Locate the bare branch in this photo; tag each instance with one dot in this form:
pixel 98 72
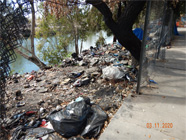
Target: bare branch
pixel 22 54
pixel 25 49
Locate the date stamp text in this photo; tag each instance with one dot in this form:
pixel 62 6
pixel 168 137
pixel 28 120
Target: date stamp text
pixel 159 125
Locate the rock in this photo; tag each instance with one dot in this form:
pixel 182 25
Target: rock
pixel 45 105
pixel 41 102
pixel 100 81
pixel 38 80
pixel 91 70
pixel 82 63
pixel 56 102
pixel 49 102
pixel 56 82
pixel 68 61
pixel 43 77
pixel 66 81
pixel 119 89
pixel 16 81
pixel 41 84
pixel 94 61
pixel 26 86
pixel 58 107
pixel 124 62
pixel 42 90
pixel 47 81
pixel 8 106
pixel 95 74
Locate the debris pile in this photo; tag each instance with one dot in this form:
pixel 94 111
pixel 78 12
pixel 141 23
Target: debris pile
pixel 75 100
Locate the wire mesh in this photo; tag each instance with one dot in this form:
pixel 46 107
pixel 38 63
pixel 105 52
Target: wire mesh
pixel 159 34
pixel 12 25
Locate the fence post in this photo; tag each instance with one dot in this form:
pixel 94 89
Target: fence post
pixel 143 45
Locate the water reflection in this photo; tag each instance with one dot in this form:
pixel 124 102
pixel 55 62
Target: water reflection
pixel 22 65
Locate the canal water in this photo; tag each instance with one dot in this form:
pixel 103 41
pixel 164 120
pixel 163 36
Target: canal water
pixel 22 65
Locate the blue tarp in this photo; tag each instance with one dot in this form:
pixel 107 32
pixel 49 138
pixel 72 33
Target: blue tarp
pixel 175 30
pixel 139 33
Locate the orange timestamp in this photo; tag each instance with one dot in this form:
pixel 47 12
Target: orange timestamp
pixel 159 125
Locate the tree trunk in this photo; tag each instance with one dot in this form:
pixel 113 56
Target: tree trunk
pixel 76 41
pixel 114 39
pixel 123 28
pixel 76 45
pixel 32 27
pixel 34 59
pixel 81 45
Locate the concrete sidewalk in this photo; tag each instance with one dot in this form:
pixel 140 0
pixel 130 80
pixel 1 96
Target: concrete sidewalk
pixel 162 107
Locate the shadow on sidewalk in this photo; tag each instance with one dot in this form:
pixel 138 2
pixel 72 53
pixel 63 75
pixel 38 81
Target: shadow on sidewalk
pixel 152 98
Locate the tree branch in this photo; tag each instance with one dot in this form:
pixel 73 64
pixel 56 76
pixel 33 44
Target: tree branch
pixel 22 54
pixel 102 7
pixel 25 49
pixel 94 2
pixel 32 26
pixel 130 14
pixel 105 11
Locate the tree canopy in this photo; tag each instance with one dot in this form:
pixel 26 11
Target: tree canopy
pixel 120 23
pixel 60 31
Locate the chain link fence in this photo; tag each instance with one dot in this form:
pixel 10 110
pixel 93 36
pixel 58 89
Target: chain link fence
pixel 158 34
pixel 159 28
pixel 12 25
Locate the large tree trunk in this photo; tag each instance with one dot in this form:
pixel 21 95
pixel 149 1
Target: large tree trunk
pixel 123 28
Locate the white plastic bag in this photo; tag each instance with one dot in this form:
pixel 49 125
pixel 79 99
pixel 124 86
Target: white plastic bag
pixel 112 72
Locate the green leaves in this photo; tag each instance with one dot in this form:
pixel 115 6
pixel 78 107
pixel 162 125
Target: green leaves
pixel 101 40
pixel 56 34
